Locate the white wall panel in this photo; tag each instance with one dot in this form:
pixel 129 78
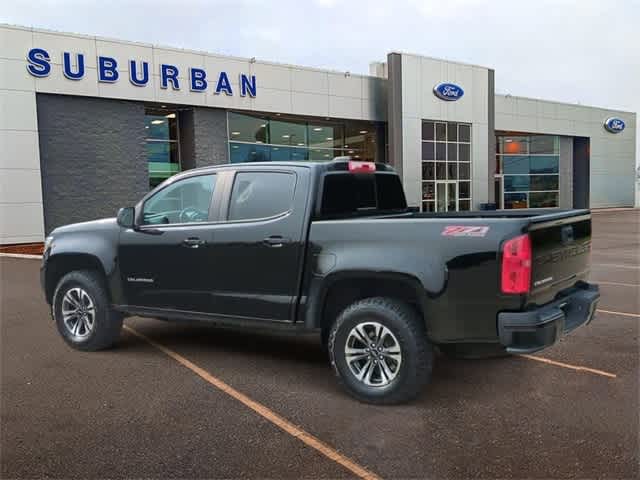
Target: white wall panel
pixel 19 149
pixel 56 43
pixel 310 104
pixel 124 52
pixel 15 42
pixel 20 186
pixel 18 110
pixel 56 82
pixel 271 76
pixel 345 107
pixel 310 81
pixel 14 76
pixel 345 86
pixel 21 223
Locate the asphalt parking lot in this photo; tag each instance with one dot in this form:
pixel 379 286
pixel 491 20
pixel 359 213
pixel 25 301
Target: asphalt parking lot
pixel 277 412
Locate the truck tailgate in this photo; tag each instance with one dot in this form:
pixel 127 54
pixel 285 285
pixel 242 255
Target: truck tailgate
pixel 561 247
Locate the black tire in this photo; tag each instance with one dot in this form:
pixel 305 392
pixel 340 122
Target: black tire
pixel 106 324
pixel 473 351
pixel 407 326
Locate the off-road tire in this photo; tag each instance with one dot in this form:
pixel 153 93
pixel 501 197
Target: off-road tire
pixel 408 327
pixel 107 322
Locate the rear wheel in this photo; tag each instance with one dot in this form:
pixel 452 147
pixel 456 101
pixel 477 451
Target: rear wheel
pixel 82 312
pixel 380 352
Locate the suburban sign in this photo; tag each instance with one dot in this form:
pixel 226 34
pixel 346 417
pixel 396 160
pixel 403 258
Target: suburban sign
pixel 448 91
pixel 614 125
pixel 108 71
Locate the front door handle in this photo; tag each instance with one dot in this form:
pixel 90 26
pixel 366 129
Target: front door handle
pixel 192 242
pixel 275 241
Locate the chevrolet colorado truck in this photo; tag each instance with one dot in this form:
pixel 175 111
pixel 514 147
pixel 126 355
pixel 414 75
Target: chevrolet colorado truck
pixel 329 247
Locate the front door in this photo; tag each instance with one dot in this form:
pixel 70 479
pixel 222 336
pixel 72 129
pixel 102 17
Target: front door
pixel 167 261
pixel 446 196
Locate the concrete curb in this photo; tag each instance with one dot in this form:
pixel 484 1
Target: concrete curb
pixel 21 255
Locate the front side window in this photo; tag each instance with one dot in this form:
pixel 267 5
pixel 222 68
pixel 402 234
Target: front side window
pixel 258 195
pixel 185 201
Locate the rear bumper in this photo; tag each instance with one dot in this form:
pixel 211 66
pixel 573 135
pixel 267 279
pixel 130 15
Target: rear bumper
pixel 533 330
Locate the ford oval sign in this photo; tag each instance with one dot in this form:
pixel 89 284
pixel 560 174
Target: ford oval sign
pixel 614 125
pixel 448 91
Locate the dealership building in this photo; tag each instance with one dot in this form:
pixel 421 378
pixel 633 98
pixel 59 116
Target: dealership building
pixel 89 125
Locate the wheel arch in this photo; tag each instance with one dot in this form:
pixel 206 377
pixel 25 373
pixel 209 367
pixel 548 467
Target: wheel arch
pixel 61 264
pixel 344 288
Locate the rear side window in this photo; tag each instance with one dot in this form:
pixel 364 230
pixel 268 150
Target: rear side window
pixel 348 193
pixel 258 195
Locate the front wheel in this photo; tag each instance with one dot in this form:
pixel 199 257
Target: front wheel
pixel 380 352
pixel 82 312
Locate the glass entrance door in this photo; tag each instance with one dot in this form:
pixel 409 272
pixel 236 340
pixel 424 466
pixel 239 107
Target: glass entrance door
pixel 447 196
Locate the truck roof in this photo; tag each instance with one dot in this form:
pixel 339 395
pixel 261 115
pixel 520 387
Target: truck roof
pixel 339 163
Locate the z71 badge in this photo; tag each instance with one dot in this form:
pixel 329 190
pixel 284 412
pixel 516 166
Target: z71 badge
pixel 464 231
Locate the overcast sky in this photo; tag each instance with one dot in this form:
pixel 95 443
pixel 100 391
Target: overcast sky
pixel 583 51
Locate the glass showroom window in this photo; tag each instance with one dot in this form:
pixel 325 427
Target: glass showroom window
pixel 446 166
pixel 529 166
pixel 257 138
pixel 163 150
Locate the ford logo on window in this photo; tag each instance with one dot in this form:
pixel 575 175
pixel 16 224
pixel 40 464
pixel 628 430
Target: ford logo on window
pixel 448 91
pixel 614 125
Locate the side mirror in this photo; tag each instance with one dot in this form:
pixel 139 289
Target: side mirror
pixel 126 217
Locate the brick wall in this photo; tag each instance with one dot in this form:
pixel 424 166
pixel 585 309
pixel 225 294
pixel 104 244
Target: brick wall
pixel 92 157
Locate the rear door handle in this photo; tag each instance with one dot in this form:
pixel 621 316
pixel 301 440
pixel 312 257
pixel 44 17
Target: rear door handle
pixel 192 242
pixel 275 241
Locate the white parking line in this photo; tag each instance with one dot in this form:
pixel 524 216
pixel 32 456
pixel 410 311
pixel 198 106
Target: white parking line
pixel 569 366
pixel 615 265
pixel 624 314
pixel 602 282
pixel 265 412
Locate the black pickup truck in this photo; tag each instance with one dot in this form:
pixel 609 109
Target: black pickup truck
pixel 329 247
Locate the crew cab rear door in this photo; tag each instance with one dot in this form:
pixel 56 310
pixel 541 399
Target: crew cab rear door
pixel 258 244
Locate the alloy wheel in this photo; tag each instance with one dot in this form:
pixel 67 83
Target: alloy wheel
pixel 373 354
pixel 78 313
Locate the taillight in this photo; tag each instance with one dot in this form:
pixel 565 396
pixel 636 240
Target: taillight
pixel 362 167
pixel 516 265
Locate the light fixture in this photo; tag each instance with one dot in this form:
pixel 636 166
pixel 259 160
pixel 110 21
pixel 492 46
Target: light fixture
pixel 146 126
pixel 263 125
pixel 235 133
pixel 157 122
pixel 509 140
pixel 329 138
pixel 346 146
pixel 363 131
pixel 234 146
pixel 163 106
pixel 357 156
pixel 350 151
pixel 170 115
pixel 301 144
pixel 326 154
pixel 317 129
pixel 259 141
pixel 285 136
pixel 276 148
